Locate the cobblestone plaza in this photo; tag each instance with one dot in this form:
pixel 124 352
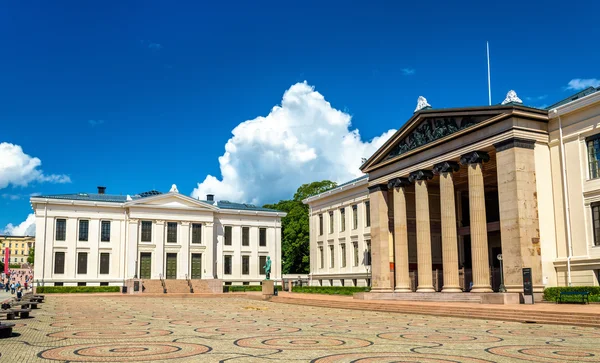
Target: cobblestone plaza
pixel 139 329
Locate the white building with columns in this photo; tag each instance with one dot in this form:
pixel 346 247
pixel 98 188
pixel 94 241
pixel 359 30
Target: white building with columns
pixel 100 239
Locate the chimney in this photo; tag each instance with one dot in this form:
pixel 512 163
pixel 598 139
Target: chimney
pixel 210 197
pixel 101 190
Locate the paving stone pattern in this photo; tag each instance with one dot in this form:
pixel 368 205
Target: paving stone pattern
pixel 142 329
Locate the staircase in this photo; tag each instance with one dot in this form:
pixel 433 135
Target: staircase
pixel 152 286
pixel 422 296
pixel 472 311
pixel 177 286
pixel 211 286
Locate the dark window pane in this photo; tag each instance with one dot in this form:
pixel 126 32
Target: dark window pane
pixel 320 224
pixel 172 232
pixel 196 233
pixel 262 237
pixel 104 263
pixel 227 265
pixel 245 236
pixel 368 213
pixel 227 235
pixel 262 260
pixel 82 262
pixel 59 262
pixel 84 227
pixel 245 265
pixel 105 231
pixel 61 229
pixel 146 231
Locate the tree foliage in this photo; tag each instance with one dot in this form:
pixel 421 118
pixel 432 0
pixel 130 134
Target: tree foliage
pixel 31 256
pixel 295 239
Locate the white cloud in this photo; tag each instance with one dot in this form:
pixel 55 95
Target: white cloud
pixel 302 140
pixel 95 122
pixel 579 84
pixel 20 169
pixel 26 228
pixel 538 98
pixel 11 196
pixel 408 71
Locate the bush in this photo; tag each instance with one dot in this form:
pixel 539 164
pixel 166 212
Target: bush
pixel 14 265
pixel 244 288
pixel 552 293
pixel 76 289
pixel 330 290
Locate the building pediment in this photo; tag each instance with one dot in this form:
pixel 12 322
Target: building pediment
pixel 171 200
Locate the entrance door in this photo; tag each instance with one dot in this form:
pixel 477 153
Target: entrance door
pixel 171 265
pixel 196 266
pixel 145 265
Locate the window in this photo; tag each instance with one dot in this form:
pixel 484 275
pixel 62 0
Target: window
pixel 596 223
pixel 82 262
pixel 81 283
pixel 105 231
pixel 227 235
pixel 104 263
pixel 246 283
pixel 59 284
pixel 262 260
pixel 59 262
pixel 172 232
pixel 104 284
pixel 245 265
pixel 146 231
pixel 84 228
pixel 355 216
pixel 196 233
pixel 331 222
pixel 343 249
pixel 262 237
pixel 593 146
pixel 321 258
pixel 368 214
pixel 245 236
pixel 227 265
pixel 61 229
pixel 331 257
pixel 342 219
pixel 320 224
pixel 356 258
pixel 368 257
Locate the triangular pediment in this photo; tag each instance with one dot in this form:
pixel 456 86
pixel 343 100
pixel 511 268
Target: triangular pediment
pixel 171 200
pixel 429 127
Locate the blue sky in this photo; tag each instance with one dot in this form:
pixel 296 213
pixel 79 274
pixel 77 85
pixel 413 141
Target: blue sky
pixel 137 95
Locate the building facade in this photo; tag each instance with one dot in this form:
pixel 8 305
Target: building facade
pixel 340 235
pixel 464 199
pixel 101 239
pixel 19 247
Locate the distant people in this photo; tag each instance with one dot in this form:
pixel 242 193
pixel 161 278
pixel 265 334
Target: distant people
pixel 12 288
pixel 19 294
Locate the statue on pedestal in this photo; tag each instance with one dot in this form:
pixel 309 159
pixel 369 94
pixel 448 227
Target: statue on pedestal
pixel 267 268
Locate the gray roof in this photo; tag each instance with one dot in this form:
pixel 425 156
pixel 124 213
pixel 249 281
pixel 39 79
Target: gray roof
pixel 222 204
pixel 366 176
pixel 585 92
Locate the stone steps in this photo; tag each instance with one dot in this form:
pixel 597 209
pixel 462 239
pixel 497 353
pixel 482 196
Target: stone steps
pixel 152 286
pixel 209 286
pixel 177 286
pixel 524 316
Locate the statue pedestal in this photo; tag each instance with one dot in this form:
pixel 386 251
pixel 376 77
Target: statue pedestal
pixel 268 288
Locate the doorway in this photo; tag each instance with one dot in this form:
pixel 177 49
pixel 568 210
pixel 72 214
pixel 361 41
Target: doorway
pixel 145 265
pixel 171 266
pixel 196 266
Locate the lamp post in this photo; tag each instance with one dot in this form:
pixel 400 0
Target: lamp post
pixel 501 288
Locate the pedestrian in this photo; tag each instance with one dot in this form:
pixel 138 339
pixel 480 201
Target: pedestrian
pixel 19 294
pixel 12 288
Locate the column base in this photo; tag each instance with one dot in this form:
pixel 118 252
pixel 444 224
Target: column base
pixel 481 289
pixel 402 289
pixel 451 289
pixel 381 289
pixel 425 289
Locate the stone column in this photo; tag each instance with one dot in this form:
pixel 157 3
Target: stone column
pixel 478 223
pixel 158 238
pixel 184 239
pixel 448 214
pixel 519 224
pixel 380 259
pixel 425 280
pixel 400 235
pixel 133 265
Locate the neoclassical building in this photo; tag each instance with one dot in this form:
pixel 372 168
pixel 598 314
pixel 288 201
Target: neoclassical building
pixel 18 247
pixel 456 190
pixel 102 239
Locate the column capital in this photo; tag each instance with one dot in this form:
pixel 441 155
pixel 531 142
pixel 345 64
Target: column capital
pixel 420 175
pixel 185 223
pixel 446 167
pixel 514 142
pixel 133 220
pixel 378 187
pixel 398 183
pixel 160 221
pixel 475 157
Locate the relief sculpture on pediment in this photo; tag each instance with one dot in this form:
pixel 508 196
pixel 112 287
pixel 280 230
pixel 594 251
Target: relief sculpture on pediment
pixel 432 129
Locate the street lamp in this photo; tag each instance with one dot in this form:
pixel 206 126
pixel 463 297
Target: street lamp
pixel 501 288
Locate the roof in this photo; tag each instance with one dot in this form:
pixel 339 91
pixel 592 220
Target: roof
pixel 7 236
pixel 337 189
pixel 578 95
pixel 223 204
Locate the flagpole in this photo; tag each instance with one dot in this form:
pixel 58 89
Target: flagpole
pixel 489 84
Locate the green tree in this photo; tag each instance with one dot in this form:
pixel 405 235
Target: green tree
pixel 295 249
pixel 31 256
